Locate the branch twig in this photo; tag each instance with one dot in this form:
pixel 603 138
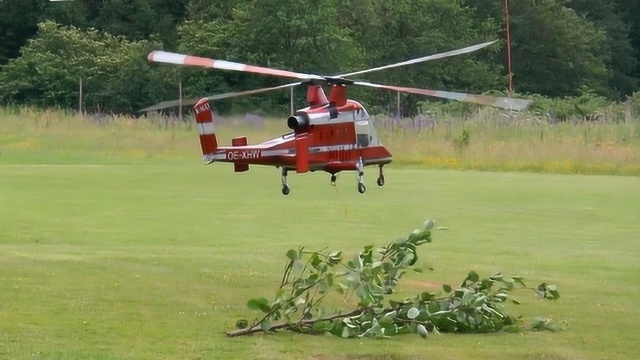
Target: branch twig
pixel 257 328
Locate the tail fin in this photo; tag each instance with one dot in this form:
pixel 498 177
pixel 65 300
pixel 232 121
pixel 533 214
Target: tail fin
pixel 206 130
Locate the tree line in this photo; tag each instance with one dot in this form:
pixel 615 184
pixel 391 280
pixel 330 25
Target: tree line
pixel 559 48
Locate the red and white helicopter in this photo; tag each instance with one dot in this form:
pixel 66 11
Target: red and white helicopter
pixel 331 134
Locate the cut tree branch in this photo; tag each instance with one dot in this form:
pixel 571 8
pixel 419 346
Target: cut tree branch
pixel 289 326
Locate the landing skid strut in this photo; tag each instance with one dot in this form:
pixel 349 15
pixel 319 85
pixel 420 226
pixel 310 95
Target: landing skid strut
pixel 285 186
pixel 359 175
pixel 380 180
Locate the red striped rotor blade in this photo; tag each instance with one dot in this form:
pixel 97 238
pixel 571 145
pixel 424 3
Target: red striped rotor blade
pixel 184 102
pixel 461 51
pixel 501 102
pixel 188 60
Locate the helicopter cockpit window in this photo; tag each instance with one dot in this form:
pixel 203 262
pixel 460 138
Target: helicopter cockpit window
pixel 363 136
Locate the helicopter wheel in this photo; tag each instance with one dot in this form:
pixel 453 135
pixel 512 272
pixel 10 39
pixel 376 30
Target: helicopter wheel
pixel 380 180
pixel 361 188
pixel 333 179
pixel 285 186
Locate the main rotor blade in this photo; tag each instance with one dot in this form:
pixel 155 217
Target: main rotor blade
pixel 170 104
pixel 465 50
pixel 184 102
pixel 187 60
pixel 501 102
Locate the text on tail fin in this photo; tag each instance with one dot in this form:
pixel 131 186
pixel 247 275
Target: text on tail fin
pixel 206 129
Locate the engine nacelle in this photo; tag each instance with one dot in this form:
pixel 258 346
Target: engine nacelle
pixel 299 120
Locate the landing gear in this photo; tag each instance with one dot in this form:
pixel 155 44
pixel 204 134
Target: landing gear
pixel 333 179
pixel 360 173
pixel 380 180
pixel 285 186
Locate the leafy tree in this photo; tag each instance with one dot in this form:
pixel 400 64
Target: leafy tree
pixel 140 19
pixel 559 48
pixel 408 29
pixel 623 61
pixel 67 13
pixel 283 35
pixel 630 12
pixel 114 71
pixel 207 39
pixel 292 35
pixel 207 10
pixel 18 22
pixel 555 51
pixel 135 19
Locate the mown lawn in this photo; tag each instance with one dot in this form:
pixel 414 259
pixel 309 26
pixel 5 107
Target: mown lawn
pixel 156 260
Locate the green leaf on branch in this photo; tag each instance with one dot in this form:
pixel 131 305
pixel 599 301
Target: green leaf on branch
pixel 467 297
pixel 388 318
pixel 543 324
pixel 242 323
pixel 426 296
pixel 334 258
pixel 553 290
pixel 422 331
pixel 320 326
pixel 413 313
pixel 265 325
pixel 293 254
pixel 519 280
pixel 261 304
pixel 547 291
pixel 428 225
pixel 473 276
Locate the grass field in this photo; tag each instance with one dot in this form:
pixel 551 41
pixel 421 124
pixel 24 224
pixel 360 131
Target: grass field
pixel 132 249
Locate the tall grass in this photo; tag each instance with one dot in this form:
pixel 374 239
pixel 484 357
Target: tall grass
pixel 492 140
pixel 486 140
pixel 55 136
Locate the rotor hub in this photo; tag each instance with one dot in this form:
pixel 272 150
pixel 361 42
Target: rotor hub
pixel 328 80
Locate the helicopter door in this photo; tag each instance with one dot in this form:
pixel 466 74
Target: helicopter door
pixel 363 135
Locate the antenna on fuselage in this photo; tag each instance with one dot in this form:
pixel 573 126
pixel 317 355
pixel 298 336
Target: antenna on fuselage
pixel 291 101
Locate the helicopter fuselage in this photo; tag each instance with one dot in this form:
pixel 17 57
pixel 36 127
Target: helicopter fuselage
pixel 334 143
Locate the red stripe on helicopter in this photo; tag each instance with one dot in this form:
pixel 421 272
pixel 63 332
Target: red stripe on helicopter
pixel 208 143
pixel 275 72
pixel 198 61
